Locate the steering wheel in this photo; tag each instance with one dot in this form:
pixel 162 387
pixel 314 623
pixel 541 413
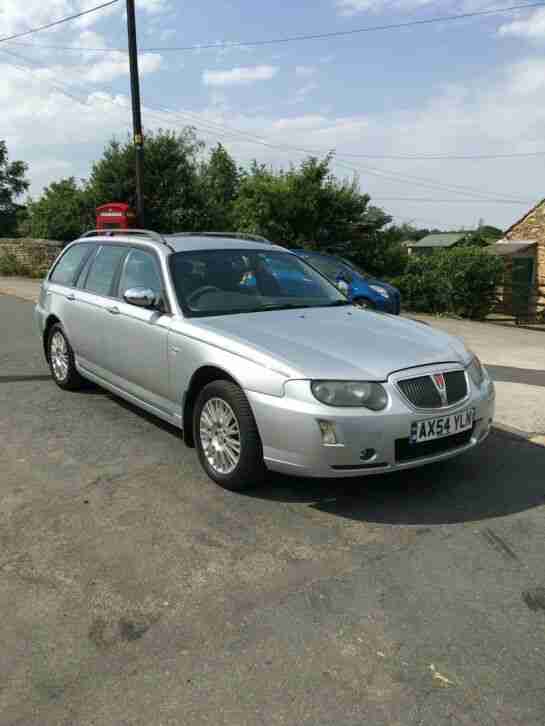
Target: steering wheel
pixel 201 291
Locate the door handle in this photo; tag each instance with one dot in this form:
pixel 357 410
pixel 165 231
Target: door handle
pixel 114 310
pixel 71 297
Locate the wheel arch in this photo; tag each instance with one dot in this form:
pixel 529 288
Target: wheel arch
pixel 49 323
pixel 201 378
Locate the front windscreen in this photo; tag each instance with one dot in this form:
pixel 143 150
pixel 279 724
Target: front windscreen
pixel 229 281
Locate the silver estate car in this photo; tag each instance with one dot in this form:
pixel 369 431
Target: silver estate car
pixel 258 358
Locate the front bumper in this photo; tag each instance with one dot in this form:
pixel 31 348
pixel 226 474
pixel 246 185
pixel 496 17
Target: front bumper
pixel 292 441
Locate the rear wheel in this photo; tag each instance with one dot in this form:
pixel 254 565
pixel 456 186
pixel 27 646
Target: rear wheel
pixel 226 437
pixel 61 360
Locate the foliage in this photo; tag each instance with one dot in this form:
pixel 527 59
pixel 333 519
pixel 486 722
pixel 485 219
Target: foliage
pixel 405 231
pixel 62 213
pixel 219 182
pixel 10 265
pixel 305 204
pixel 462 281
pixel 483 236
pixel 13 183
pixel 374 248
pixel 172 193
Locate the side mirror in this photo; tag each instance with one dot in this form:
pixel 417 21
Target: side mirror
pixel 343 286
pixel 142 297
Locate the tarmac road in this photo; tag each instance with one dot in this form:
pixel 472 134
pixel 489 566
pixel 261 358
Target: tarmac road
pixel 134 591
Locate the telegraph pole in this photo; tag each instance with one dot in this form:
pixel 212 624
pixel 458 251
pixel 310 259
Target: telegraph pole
pixel 136 112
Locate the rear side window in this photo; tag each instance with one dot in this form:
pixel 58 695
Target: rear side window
pixel 69 264
pixel 80 281
pixel 103 270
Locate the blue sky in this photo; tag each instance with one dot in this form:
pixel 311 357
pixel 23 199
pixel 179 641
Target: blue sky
pixel 474 86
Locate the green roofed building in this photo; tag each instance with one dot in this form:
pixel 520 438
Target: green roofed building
pixel 439 241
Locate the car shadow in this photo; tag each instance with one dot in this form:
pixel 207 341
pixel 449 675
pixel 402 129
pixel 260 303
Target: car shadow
pixel 503 476
pixel 507 374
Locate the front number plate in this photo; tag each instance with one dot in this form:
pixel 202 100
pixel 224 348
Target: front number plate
pixel 437 428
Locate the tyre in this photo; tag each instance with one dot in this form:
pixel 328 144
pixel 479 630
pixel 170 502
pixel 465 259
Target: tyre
pixel 363 302
pixel 226 437
pixel 61 360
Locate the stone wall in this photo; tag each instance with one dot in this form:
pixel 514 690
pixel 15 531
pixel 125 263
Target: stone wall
pixel 35 255
pixel 532 228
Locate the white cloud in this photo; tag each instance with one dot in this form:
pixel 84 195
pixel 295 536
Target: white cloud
pixel 153 7
pixel 485 116
pixel 353 7
pixel 237 76
pixel 302 93
pixel 532 27
pixel 18 15
pixel 305 71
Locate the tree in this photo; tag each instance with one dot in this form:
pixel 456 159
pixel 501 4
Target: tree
pixel 63 212
pixel 373 246
pixel 172 193
pixel 304 205
pixel 483 236
pixel 13 183
pixel 220 181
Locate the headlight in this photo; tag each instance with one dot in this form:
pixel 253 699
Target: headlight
pixel 380 290
pixel 350 393
pixel 477 371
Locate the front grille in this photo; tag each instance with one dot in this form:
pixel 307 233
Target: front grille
pixel 405 451
pixel 456 386
pixel 422 393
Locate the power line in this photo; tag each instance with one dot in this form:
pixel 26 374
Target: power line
pixel 312 36
pixel 218 130
pixel 424 182
pixel 58 22
pixel 448 201
pixel 441 157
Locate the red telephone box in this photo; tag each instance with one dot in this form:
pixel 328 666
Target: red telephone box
pixel 115 215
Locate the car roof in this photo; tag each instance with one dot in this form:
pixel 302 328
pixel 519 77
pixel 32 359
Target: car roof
pixel 194 242
pixel 182 242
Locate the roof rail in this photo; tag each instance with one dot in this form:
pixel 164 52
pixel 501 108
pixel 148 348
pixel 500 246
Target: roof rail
pixel 230 235
pixel 127 232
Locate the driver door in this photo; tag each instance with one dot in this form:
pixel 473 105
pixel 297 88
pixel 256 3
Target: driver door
pixel 137 337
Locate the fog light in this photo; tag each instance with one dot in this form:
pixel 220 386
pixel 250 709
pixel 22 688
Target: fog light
pixel 329 433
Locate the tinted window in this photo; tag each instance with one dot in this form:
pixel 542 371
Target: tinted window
pixel 69 264
pixel 102 272
pixel 329 267
pixel 222 282
pixel 140 270
pixel 85 269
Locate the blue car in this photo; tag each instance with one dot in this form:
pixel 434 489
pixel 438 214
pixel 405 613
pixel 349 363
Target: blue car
pixel 357 285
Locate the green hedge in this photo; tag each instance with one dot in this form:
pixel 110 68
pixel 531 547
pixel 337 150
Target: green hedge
pixel 10 266
pixel 462 281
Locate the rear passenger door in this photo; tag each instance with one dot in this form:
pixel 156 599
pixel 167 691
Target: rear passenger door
pixel 93 298
pixel 136 337
pixel 61 288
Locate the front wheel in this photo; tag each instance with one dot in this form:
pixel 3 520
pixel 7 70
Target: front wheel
pixel 226 437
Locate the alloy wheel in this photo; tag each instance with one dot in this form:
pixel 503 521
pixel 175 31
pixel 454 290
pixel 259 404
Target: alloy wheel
pixel 219 432
pixel 60 360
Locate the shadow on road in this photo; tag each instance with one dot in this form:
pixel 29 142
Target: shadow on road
pixel 25 378
pixel 503 476
pixel 507 374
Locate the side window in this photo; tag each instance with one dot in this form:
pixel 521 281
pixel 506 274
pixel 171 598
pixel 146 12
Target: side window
pixel 140 270
pixel 85 269
pixel 103 270
pixel 69 264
